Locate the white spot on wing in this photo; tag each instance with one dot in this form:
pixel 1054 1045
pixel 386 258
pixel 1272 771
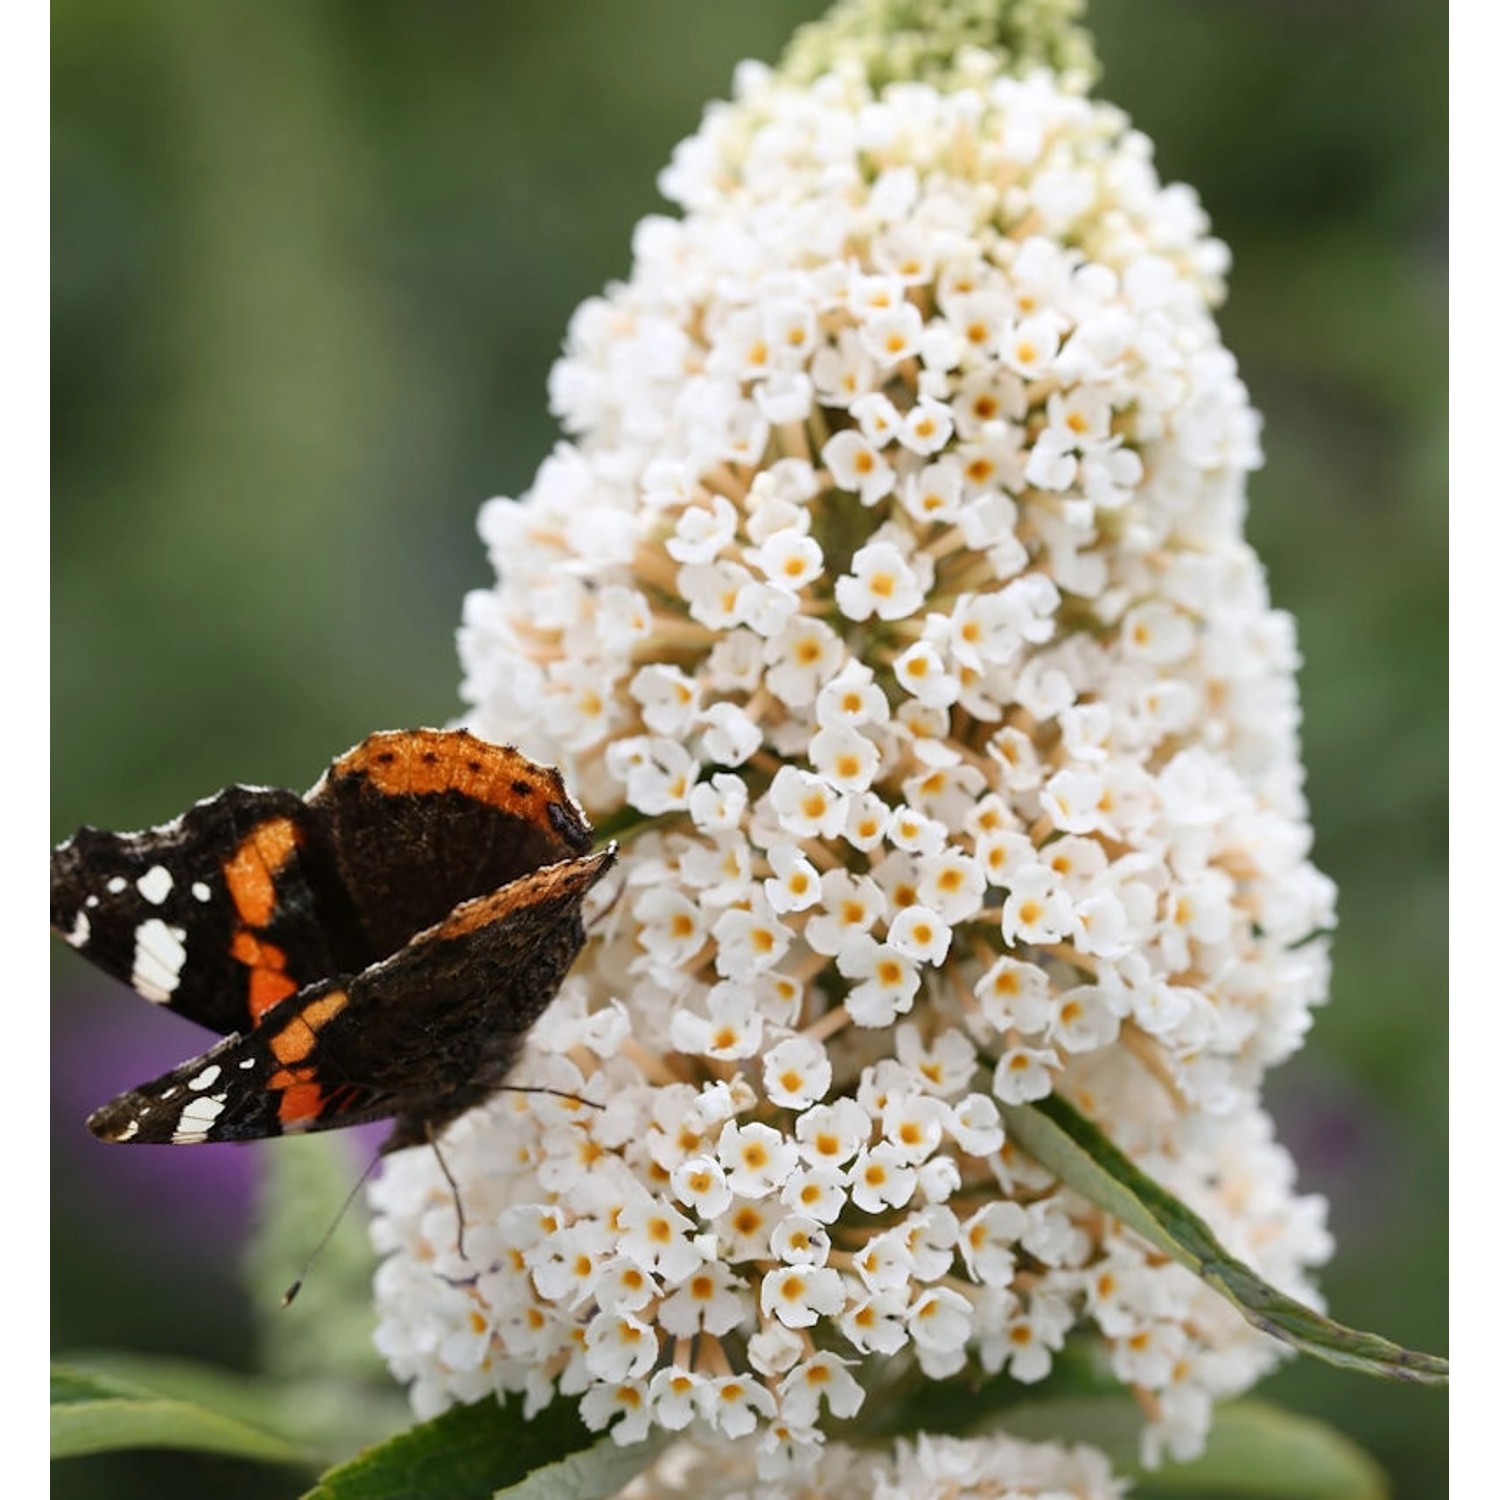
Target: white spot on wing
pixel 156 884
pixel 115 884
pixel 194 1122
pixel 205 1078
pixel 201 891
pixel 80 933
pixel 91 901
pixel 129 1131
pixel 159 956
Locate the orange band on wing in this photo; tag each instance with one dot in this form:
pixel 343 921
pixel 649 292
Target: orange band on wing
pixel 250 872
pixel 299 1036
pixel 268 988
pixel 301 1098
pixel 416 762
pixel 302 1101
pixel 269 982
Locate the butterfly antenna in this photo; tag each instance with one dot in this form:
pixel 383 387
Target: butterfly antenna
pixel 432 1140
pixel 290 1293
pixel 521 1088
pixel 458 1202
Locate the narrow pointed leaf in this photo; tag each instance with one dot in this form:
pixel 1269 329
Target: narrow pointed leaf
pixel 1083 1158
pixel 232 1393
pixel 468 1453
pixel 94 1413
pixel 595 1474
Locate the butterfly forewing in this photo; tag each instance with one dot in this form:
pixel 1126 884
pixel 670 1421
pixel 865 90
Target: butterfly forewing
pixel 217 915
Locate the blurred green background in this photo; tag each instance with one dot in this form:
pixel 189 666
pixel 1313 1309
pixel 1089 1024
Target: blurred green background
pixel 312 260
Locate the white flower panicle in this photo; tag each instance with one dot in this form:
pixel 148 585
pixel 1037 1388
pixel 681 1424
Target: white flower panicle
pixel 892 599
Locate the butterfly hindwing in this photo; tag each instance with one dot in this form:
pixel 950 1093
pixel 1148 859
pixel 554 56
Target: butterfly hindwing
pixel 417 821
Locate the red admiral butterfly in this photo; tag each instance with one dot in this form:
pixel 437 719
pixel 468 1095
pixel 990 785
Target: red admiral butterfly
pixel 377 949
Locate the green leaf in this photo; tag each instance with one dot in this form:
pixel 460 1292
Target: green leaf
pixel 595 1474
pixel 1083 1158
pixel 249 1398
pixel 469 1453
pixel 94 1413
pixel 1255 1452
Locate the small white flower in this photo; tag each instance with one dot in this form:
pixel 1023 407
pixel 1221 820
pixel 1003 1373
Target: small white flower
pixel 880 582
pixel 856 465
pixel 926 427
pixel 920 669
pixel 626 1400
pixel 658 1238
pixel 699 1183
pixel 952 886
pixel 718 804
pixel 892 335
pixel 1077 801
pixel 800 1239
pixel 1022 1074
pixel 709 1299
pixel 673 1397
pixel 830 1134
pixel 668 698
pixel 919 934
pixel 806 806
pixel 734 1404
pixel 976 1126
pixel 732 1027
pixel 985 1242
pixel 852 905
pixel 880 1178
pixel 914 1125
pixel 866 820
pixel 802 656
pixel 797 1073
pixel 940 1319
pixel 788 559
pixel 702 532
pixel 757 1159
pixel 845 758
pixel 799 1295
pixel 1014 995
pixel 876 1322
pixel 886 1264
pixel 750 940
pixel 671 926
pixel 822 1380
pixel 888 980
pixel 730 735
pixel 1037 910
pixel 619 1347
